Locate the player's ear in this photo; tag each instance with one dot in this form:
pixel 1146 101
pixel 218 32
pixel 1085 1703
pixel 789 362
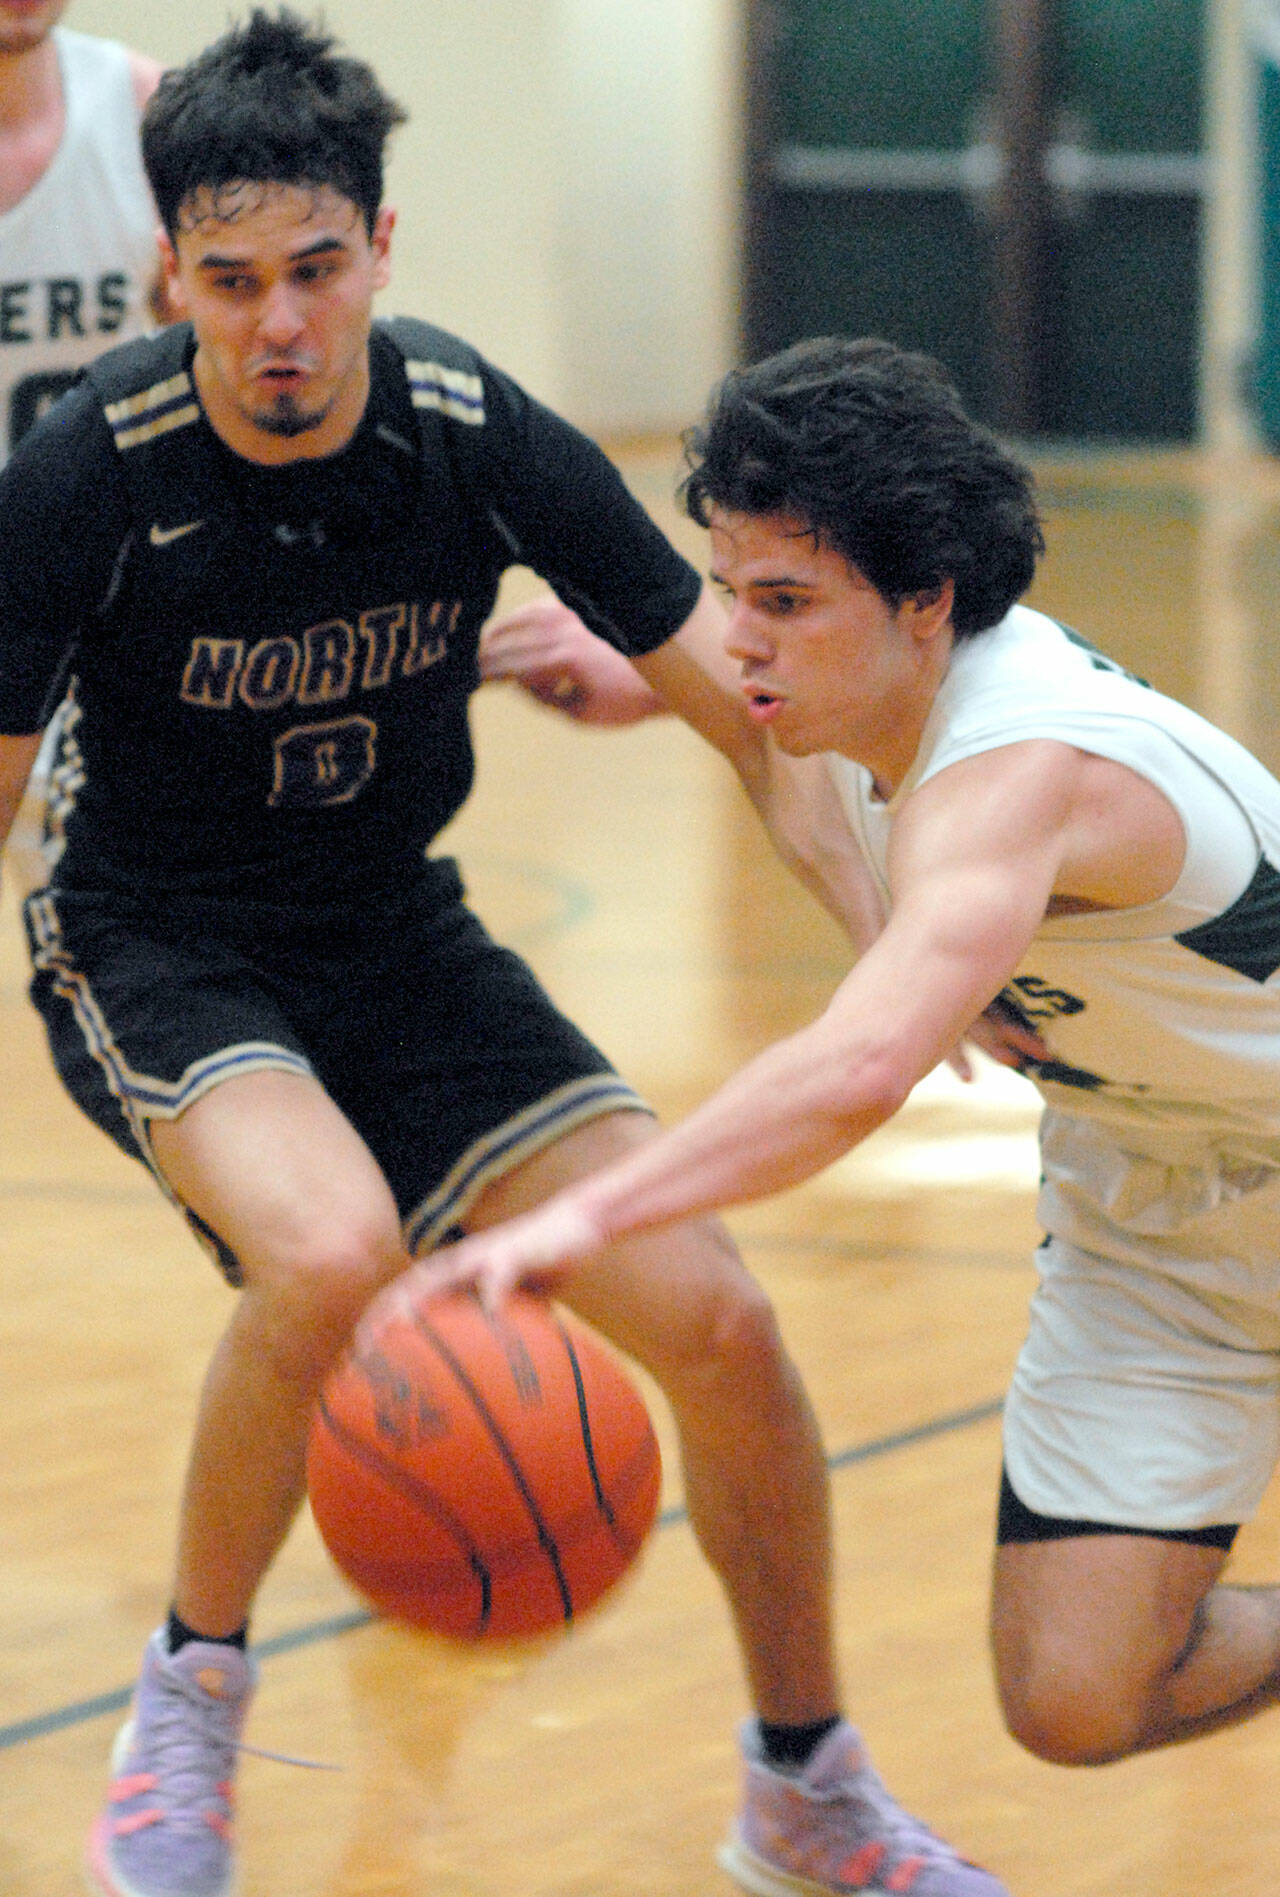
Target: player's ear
pixel 174 300
pixel 930 613
pixel 380 242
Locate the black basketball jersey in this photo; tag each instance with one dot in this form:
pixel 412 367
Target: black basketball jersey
pixel 272 667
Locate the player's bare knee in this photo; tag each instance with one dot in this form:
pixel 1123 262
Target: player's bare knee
pixel 1067 1715
pixel 735 1354
pixel 319 1283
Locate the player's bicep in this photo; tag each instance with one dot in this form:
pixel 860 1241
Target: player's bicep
pixel 972 866
pixel 939 961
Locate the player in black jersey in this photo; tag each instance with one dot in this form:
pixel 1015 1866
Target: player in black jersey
pixel 252 558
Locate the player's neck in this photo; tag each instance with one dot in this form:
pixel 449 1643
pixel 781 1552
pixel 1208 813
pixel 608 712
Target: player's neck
pixel 32 118
pixel 889 741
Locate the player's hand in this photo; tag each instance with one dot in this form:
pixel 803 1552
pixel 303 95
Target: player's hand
pixel 535 1252
pixel 548 651
pixel 1001 1035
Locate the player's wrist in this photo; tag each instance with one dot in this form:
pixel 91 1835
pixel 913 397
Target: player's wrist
pixel 583 1222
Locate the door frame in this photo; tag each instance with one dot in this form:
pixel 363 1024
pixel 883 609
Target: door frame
pixel 1229 300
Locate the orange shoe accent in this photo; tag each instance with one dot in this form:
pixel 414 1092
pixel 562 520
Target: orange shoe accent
pixel 135 1821
pixel 863 1865
pixel 130 1787
pixel 904 1875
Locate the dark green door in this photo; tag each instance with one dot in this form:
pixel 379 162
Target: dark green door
pixel 1013 185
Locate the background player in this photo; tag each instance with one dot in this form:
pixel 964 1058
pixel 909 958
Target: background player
pixel 267 543
pixel 79 266
pixel 1046 829
pixel 78 258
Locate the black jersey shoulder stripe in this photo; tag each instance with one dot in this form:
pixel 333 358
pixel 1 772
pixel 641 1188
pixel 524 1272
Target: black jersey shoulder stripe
pixel 453 392
pixel 153 411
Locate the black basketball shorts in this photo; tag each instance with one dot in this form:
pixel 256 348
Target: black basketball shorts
pixel 439 1045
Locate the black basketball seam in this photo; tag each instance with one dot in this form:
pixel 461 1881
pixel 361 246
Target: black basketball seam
pixel 631 1474
pixel 422 1495
pixel 546 1540
pixel 603 1503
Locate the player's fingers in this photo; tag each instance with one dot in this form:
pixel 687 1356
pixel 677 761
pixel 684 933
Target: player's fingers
pixel 531 628
pixel 402 1300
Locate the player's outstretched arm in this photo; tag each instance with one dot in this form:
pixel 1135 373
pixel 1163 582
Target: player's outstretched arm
pixel 975 864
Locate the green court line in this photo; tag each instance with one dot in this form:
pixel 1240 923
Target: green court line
pixel 81 1712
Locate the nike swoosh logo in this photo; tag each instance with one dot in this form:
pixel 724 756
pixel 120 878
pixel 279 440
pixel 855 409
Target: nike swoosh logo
pixel 161 536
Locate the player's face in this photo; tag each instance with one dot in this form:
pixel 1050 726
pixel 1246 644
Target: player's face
pixel 279 281
pixel 24 23
pixel 828 664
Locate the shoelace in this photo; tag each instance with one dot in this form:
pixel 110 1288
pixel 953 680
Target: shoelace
pixel 185 1753
pixel 289 1758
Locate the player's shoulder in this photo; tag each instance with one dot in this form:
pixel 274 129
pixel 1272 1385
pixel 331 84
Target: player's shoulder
pixel 414 338
pixel 60 486
pixel 144 388
pixel 105 69
pixel 69 445
pixel 145 75
pixel 134 366
pixel 445 375
pixel 1026 662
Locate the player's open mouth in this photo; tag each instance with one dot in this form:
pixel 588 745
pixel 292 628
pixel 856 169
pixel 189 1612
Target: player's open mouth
pixel 763 704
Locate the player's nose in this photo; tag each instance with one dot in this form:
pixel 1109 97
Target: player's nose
pixel 280 317
pixel 744 637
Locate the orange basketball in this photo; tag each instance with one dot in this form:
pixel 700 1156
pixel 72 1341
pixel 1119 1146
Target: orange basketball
pixel 482 1475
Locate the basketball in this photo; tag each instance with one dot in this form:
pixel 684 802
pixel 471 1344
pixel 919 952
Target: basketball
pixel 485 1476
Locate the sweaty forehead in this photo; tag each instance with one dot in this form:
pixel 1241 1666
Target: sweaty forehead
pixel 773 550
pixel 266 211
pixel 747 539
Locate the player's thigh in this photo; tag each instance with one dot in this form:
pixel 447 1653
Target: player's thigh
pixel 448 1056
pixel 1095 1618
pixel 166 1035
pixel 271 1165
pixel 1139 1399
pixel 678 1294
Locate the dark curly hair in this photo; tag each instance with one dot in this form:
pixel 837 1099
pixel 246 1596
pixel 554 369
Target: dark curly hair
pixel 869 447
pixel 270 102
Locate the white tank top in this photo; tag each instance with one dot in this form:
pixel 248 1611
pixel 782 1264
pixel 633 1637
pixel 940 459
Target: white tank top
pixel 1163 1019
pixel 78 253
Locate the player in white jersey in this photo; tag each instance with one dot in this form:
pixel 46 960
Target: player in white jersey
pixel 1054 843
pixel 78 258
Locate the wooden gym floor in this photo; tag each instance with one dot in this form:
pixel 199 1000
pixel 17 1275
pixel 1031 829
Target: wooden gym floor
pixel 628 870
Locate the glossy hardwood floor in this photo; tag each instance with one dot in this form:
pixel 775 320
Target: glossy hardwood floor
pixel 603 1765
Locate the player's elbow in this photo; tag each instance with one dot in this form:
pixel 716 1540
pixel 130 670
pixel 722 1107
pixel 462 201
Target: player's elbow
pixel 866 1093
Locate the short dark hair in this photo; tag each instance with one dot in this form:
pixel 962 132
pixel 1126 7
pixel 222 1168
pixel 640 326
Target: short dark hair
pixel 270 102
pixel 868 445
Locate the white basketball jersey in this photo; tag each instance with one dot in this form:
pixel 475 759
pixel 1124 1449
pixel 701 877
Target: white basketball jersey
pixel 1163 1019
pixel 78 253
